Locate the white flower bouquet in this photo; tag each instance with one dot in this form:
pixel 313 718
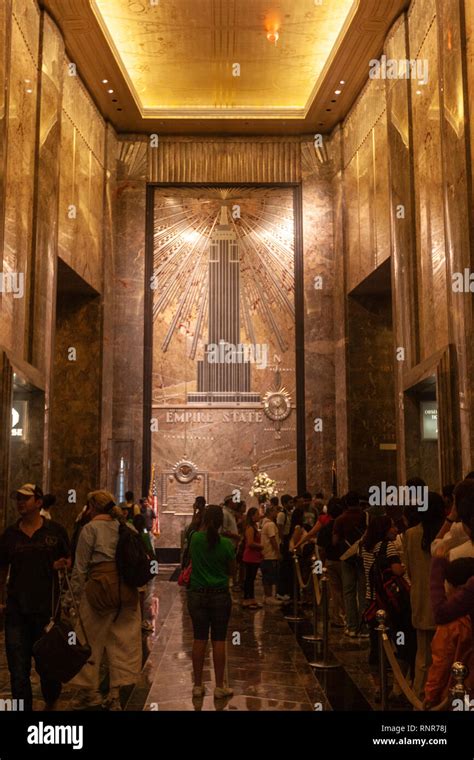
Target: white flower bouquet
pixel 263 486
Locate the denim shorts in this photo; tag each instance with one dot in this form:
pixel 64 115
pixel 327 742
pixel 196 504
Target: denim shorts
pixel 209 609
pixel 269 570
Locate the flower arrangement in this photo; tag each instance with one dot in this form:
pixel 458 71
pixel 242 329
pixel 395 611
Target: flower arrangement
pixel 263 486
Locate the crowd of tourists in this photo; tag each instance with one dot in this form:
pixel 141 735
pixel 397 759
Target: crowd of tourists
pixel 43 570
pixel 417 564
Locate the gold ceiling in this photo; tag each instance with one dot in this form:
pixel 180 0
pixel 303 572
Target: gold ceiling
pixel 179 57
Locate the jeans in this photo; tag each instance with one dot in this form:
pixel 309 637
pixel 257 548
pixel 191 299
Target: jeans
pixel 353 586
pixel 21 632
pixel 336 608
pixel 251 569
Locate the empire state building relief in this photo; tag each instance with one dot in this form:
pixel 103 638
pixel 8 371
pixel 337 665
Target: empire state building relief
pixel 223 367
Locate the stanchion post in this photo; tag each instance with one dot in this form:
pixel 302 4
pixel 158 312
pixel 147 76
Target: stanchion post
pixel 382 629
pixel 295 617
pixel 315 637
pixel 458 691
pixel 328 661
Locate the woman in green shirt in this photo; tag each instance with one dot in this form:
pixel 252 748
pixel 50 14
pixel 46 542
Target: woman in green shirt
pixel 209 600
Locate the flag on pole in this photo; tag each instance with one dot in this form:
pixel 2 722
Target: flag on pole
pixel 153 502
pixel 334 479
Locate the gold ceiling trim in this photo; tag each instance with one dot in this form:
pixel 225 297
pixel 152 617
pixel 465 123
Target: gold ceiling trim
pixel 221 113
pixel 230 112
pixel 234 160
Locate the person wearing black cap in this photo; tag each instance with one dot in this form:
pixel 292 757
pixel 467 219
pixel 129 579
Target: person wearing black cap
pixel 34 548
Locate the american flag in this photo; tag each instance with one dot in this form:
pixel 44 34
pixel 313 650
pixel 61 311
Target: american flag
pixel 153 501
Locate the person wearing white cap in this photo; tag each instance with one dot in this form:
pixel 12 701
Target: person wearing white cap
pixel 33 548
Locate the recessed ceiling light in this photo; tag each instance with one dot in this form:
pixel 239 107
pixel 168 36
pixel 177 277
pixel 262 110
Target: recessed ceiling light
pixel 105 81
pixel 110 91
pixel 338 92
pixel 328 109
pixel 119 109
pixel 114 100
pixel 418 92
pixel 29 90
pixel 342 81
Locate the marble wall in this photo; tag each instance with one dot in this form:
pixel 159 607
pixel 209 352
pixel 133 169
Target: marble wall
pixel 75 404
pixel 317 168
pixel 54 166
pixel 128 308
pixel 406 196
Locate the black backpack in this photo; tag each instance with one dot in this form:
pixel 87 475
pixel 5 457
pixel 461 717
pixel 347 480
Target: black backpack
pixel 133 562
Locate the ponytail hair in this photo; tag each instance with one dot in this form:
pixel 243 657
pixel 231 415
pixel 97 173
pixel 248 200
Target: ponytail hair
pixel 213 520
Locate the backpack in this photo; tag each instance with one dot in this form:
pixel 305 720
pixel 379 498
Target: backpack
pixel 133 563
pixel 392 592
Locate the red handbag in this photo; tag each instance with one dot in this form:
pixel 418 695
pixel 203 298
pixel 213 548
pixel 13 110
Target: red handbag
pixel 184 578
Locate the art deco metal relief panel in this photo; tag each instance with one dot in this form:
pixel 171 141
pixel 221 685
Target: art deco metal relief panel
pixel 223 371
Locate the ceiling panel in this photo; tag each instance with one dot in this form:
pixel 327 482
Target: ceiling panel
pixel 169 62
pixel 184 56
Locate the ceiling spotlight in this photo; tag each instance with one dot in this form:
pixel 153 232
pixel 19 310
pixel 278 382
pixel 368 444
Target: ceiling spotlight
pixel 273 36
pixel 342 81
pixel 338 92
pixel 105 81
pixel 110 91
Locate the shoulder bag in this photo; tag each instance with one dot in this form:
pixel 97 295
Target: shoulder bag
pixel 59 655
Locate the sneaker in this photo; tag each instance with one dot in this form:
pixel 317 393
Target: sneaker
pixel 283 597
pixel 220 692
pixel 198 691
pixel 147 626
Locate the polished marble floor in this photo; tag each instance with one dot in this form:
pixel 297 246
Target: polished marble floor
pixel 267 664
